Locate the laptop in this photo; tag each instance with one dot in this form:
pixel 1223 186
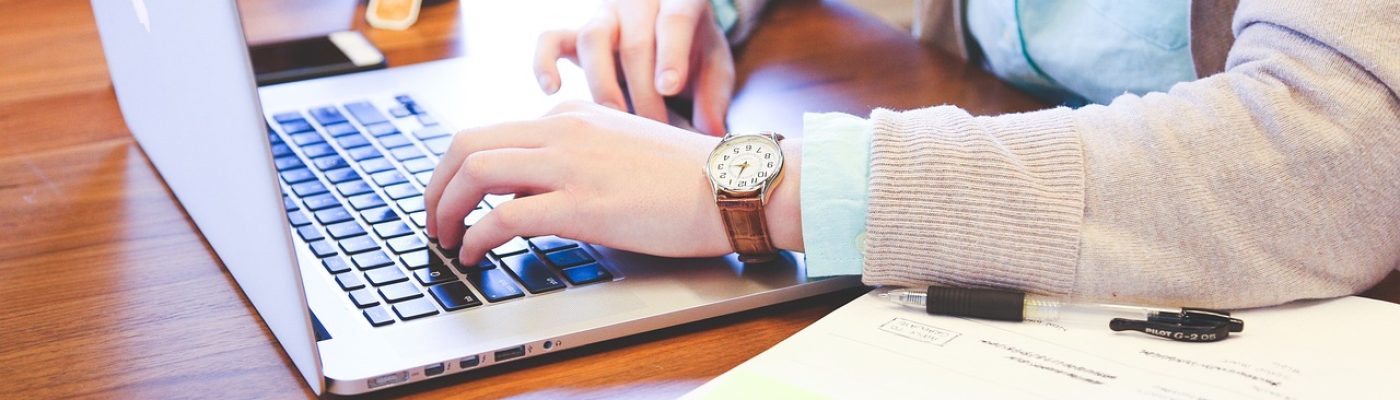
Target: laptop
pixel 311 195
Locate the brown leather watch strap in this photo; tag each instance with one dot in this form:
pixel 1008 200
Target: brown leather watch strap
pixel 747 227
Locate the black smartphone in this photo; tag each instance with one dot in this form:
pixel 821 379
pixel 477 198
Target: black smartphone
pixel 314 57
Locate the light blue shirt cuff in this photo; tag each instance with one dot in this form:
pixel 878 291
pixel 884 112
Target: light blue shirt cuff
pixel 835 177
pixel 726 14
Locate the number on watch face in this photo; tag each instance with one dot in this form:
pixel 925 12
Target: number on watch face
pixel 744 163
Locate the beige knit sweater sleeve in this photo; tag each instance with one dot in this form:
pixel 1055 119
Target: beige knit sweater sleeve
pixel 1276 180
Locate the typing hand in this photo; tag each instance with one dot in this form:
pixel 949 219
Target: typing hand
pixel 665 48
pixel 592 174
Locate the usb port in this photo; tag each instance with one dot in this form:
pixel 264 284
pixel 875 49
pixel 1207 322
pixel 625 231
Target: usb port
pixel 513 352
pixel 434 370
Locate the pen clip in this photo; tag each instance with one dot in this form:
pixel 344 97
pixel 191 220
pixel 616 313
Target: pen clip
pixel 1187 325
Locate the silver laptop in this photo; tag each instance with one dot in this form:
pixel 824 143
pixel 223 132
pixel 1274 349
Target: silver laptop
pixel 310 193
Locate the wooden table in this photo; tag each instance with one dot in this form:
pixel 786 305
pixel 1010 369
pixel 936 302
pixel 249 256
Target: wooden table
pixel 107 289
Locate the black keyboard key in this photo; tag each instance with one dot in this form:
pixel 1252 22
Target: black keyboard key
pixel 365 112
pixel 286 116
pixel 419 259
pixel 307 138
pixel 533 274
pixel 432 132
pixel 406 244
pixel 299 175
pixel 363 298
pixel 295 126
pixel 353 188
pixel 378 317
pixel 364 153
pixel 414 108
pixel 372 260
pixel 419 218
pixel 379 215
pixel 341 129
pixel 494 285
pixel 327 163
pixel 585 274
pixel 280 150
pixel 434 274
pixel 320 202
pixel 415 166
pixel 309 233
pixel 550 243
pixel 381 129
pixel 392 229
pixel 403 99
pixel 335 265
pixel 454 296
pixel 358 244
pixel 385 276
pixel 311 188
pixel 349 281
pixel 399 112
pixel 484 264
pixel 401 191
pixel 394 140
pixel 425 176
pixel 514 246
pixel 438 146
pixel 411 205
pixel 399 292
pixel 366 201
pixel 426 119
pixel 387 178
pixel 375 165
pixel 352 141
pixel 345 229
pixel 327 115
pixel 287 163
pixel 406 153
pixel 288 204
pixel 333 215
pixel 298 218
pixel 322 249
pixel 342 175
pixel 569 258
pixel 415 309
pixel 318 150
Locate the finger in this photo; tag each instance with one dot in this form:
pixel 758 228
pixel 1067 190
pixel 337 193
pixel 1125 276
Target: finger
pixel 552 46
pixel 676 22
pixel 596 44
pixel 500 171
pixel 637 51
pixel 714 89
pixel 545 214
pixel 521 134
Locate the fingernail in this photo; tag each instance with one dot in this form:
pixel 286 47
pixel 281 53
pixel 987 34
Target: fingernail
pixel 667 81
pixel 547 83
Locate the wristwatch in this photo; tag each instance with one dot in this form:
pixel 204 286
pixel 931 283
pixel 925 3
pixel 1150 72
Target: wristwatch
pixel 743 170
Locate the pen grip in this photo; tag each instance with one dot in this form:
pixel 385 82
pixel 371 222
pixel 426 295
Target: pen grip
pixel 976 303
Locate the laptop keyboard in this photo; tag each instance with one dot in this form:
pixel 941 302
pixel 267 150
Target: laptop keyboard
pixel 353 177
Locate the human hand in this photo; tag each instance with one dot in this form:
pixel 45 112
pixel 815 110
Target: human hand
pixel 593 174
pixel 665 47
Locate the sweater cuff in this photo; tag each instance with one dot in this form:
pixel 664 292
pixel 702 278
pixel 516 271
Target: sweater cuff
pixel 835 174
pixel 957 200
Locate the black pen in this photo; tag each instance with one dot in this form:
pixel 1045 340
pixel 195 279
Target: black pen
pixel 1185 324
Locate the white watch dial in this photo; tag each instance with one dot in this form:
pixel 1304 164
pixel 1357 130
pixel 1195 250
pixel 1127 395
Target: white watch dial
pixel 744 163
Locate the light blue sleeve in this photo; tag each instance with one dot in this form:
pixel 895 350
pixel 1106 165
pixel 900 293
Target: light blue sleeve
pixel 726 14
pixel 835 178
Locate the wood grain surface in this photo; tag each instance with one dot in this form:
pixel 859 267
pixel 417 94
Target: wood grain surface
pixel 108 291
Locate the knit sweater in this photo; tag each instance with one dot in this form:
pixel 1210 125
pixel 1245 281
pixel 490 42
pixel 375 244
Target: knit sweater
pixel 1276 180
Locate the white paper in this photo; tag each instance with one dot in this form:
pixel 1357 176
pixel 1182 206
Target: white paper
pixel 1347 348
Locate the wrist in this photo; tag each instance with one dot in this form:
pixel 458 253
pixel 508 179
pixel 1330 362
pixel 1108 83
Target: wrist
pixel 783 210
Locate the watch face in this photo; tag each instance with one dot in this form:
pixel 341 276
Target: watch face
pixel 744 163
